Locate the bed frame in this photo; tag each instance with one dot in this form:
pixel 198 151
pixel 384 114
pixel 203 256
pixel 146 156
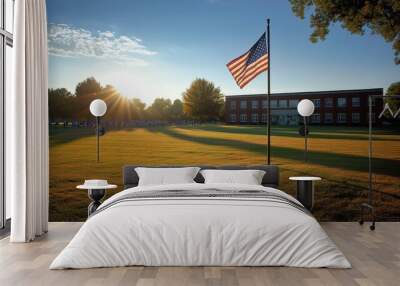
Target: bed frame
pixel 270 179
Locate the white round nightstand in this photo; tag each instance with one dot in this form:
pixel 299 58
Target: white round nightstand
pixel 305 190
pixel 96 193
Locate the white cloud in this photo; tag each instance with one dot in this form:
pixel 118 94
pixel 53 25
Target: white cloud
pixel 107 34
pixel 67 41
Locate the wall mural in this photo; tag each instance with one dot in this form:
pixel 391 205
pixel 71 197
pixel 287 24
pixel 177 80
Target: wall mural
pixel 161 70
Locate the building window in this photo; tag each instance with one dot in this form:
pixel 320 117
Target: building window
pixel 293 103
pixel 232 104
pixel 341 102
pixel 254 104
pixel 328 118
pixel 274 119
pixel 265 104
pixel 341 117
pixel 264 117
pixel 316 118
pixel 293 119
pixel 243 104
pixel 317 102
pixel 254 117
pixel 243 117
pixel 232 118
pixel 282 119
pixel 282 103
pixel 328 102
pixel 274 103
pixel 355 101
pixel 355 117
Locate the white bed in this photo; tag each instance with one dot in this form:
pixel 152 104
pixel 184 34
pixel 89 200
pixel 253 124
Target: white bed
pixel 189 231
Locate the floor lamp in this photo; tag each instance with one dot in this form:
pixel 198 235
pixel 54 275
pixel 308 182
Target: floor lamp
pixel 305 108
pixel 98 108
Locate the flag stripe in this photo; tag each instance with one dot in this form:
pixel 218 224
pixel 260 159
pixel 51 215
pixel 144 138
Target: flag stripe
pixel 237 59
pixel 252 76
pixel 243 68
pixel 249 68
pixel 250 64
pixel 239 65
pixel 263 63
pixel 243 84
pixel 238 70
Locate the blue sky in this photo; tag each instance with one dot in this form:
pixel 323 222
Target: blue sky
pixel 150 49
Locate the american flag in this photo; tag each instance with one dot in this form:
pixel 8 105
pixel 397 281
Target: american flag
pixel 250 64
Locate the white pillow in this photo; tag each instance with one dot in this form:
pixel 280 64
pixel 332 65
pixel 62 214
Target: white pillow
pixel 248 177
pixel 166 176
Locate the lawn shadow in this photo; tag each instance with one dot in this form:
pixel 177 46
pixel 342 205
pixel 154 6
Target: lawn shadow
pixel 59 135
pixel 330 132
pixel 341 161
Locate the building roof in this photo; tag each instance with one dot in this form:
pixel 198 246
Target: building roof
pixel 368 91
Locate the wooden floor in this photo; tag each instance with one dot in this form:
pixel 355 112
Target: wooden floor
pixel 375 257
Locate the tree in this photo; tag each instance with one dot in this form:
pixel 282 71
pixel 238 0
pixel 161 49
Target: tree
pixel 61 104
pixel 394 89
pixel 160 109
pixel 89 86
pixel 382 17
pixel 176 110
pixel 138 108
pixel 119 107
pixel 203 101
pixel 64 105
pixel 85 92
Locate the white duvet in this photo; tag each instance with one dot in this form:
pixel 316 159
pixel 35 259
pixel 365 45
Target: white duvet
pixel 199 231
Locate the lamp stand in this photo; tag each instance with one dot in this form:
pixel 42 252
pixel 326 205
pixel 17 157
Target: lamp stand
pixel 98 139
pixel 305 138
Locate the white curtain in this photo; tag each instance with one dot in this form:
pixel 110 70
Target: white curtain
pixel 27 122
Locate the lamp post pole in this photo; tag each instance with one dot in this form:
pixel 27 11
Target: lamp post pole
pixel 305 138
pixel 98 108
pixel 305 108
pixel 98 137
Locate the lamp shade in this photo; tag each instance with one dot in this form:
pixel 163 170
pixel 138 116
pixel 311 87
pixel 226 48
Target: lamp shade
pixel 98 107
pixel 305 107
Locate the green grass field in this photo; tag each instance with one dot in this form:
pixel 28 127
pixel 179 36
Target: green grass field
pixel 339 155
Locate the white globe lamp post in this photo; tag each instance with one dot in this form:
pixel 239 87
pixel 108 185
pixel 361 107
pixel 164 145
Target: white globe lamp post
pixel 98 108
pixel 305 108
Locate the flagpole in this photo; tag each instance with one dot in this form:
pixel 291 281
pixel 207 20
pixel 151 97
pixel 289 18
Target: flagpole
pixel 269 96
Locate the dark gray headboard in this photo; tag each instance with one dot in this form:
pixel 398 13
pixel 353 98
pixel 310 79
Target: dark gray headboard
pixel 271 177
